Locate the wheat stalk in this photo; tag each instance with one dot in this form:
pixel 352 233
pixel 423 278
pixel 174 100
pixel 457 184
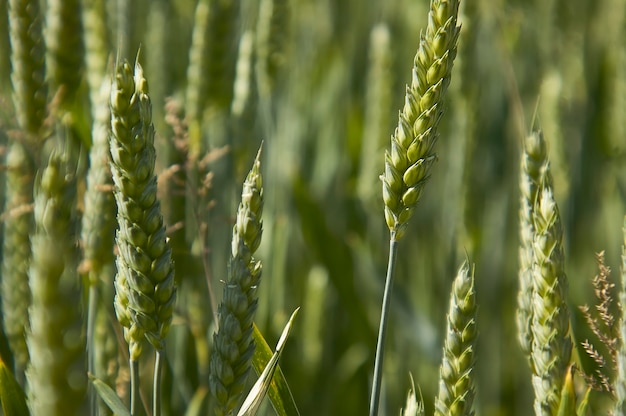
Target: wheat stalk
pixel 408 161
pixel 456 379
pixel 145 288
pixel 56 375
pixel 620 382
pixel 232 343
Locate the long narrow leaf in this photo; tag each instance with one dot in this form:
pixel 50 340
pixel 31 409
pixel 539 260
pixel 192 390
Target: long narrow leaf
pixel 11 394
pixel 278 389
pixel 109 397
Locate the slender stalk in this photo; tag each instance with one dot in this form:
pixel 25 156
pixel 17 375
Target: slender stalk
pixel 92 307
pixel 134 387
pixel 156 390
pixel 382 329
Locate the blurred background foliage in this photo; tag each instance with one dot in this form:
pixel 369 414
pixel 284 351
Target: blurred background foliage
pixel 322 88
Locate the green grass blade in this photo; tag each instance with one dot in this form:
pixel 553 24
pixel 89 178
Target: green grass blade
pixel 259 390
pixel 279 392
pixel 198 403
pixel 109 397
pixel 568 396
pixel 11 394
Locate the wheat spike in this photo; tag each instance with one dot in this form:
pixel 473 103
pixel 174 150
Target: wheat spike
pixel 145 291
pixel 64 46
pixel 408 162
pixel 456 382
pixel 534 160
pixel 16 252
pixel 232 344
pixel 551 343
pixel 27 60
pixel 57 374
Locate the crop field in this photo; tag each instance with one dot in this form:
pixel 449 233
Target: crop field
pixel 441 184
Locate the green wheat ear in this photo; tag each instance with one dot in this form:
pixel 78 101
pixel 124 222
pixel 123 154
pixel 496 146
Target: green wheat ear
pixel 232 344
pixel 145 291
pixel 408 162
pixel 534 162
pixel 56 375
pixel 28 62
pixel 551 343
pixel 16 251
pixel 456 382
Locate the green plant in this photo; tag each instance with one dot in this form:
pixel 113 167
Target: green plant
pixel 315 81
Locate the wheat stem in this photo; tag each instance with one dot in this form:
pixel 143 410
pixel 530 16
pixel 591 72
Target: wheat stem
pixel 156 389
pixel 382 329
pixel 135 399
pixel 620 382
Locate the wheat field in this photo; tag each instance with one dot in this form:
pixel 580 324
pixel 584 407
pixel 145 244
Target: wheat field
pixel 176 170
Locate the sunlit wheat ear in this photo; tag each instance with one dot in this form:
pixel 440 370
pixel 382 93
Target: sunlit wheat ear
pixel 56 375
pixel 413 406
pixel 232 344
pixel 408 162
pixel 27 60
pixel 145 291
pixel 534 160
pixel 16 252
pixel 456 382
pixel 551 343
pixel 620 382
